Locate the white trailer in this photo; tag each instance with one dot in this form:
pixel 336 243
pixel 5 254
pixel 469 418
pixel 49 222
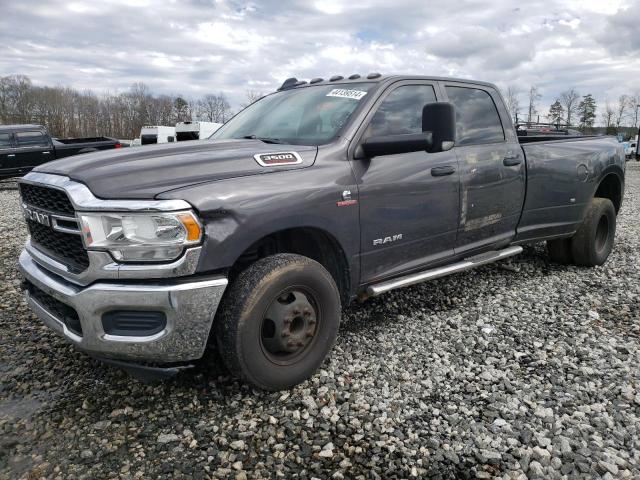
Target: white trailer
pixel 157 134
pixel 195 130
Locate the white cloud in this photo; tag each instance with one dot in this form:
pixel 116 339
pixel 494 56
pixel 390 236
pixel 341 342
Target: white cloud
pixel 201 46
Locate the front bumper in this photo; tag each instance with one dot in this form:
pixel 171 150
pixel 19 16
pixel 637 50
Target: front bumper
pixel 189 306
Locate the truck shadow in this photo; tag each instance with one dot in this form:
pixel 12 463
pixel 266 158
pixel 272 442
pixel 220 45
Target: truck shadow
pixel 459 291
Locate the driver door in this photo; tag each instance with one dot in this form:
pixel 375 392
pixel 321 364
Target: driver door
pixel 409 202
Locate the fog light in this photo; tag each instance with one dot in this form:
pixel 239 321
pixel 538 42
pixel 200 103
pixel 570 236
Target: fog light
pixel 133 323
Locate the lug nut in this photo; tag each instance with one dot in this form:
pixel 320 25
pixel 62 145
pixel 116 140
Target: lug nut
pixel 285 333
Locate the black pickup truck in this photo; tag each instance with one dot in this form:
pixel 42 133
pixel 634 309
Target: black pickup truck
pixel 23 147
pixel 317 194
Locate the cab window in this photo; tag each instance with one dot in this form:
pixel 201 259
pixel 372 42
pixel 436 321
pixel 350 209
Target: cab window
pixel 401 111
pixel 5 140
pixel 477 118
pixel 31 139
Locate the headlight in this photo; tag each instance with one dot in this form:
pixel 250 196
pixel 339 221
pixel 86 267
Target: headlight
pixel 140 237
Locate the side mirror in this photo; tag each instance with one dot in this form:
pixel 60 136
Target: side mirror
pixel 395 144
pixel 439 119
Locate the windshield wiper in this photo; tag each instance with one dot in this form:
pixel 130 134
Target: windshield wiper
pixel 264 139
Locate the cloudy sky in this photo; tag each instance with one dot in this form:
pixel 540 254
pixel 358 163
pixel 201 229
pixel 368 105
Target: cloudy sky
pixel 208 46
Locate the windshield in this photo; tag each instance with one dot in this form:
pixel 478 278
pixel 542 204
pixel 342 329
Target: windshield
pixel 301 116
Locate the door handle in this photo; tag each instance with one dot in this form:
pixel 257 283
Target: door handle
pixel 45 153
pixel 511 160
pixel 11 155
pixel 442 171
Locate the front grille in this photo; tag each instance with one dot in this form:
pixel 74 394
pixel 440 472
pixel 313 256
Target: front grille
pixel 66 248
pixel 55 307
pixel 45 198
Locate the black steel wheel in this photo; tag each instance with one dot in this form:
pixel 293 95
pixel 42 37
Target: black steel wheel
pixel 289 325
pixel 278 320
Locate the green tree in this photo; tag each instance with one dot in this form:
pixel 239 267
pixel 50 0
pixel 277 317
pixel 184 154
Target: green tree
pixel 556 112
pixel 587 112
pixel 181 110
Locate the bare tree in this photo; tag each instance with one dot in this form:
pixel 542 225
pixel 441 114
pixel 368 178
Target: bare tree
pixel 513 103
pixel 608 115
pixel 534 96
pixel 624 103
pixel 569 99
pixel 252 97
pixel 214 108
pixel 634 105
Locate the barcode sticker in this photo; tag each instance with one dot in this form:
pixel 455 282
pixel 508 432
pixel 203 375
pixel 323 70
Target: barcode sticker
pixel 345 93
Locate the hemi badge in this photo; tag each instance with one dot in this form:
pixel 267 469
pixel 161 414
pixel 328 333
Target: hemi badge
pixel 276 159
pixel 346 199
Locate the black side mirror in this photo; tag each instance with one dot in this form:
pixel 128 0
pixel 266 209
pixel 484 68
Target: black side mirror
pixel 395 144
pixel 439 118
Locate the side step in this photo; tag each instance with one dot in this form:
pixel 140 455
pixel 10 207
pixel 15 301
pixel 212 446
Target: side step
pixel 466 264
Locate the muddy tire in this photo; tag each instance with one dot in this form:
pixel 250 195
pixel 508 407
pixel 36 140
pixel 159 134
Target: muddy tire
pixel 593 242
pixel 278 321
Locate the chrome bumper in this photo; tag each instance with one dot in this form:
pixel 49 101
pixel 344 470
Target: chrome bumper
pixel 189 306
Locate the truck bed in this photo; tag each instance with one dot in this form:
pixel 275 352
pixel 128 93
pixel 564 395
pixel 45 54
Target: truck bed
pixel 562 176
pixel 75 141
pixel 552 138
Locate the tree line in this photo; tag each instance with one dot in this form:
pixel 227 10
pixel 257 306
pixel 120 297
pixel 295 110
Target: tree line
pixel 573 110
pixel 67 112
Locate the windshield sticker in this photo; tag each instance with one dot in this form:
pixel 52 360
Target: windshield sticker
pixel 345 93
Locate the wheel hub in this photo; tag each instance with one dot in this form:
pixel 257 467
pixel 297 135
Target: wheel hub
pixel 289 324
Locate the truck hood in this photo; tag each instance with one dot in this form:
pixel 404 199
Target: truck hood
pixel 145 172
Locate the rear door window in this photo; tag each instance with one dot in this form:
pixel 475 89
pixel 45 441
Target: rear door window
pixel 5 140
pixel 477 118
pixel 31 139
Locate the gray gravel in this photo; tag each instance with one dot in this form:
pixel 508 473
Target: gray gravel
pixel 521 370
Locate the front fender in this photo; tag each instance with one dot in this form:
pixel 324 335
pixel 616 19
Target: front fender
pixel 238 212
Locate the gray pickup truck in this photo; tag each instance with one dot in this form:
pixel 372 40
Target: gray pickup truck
pixel 315 195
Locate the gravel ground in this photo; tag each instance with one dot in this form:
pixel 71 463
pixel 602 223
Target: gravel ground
pixel 521 370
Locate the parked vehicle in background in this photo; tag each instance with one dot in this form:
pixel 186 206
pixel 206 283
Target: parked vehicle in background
pixel 23 147
pixel 312 196
pixel 195 130
pixel 630 148
pixel 151 134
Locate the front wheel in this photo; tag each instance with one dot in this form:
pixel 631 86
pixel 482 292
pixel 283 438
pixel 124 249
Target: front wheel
pixel 278 321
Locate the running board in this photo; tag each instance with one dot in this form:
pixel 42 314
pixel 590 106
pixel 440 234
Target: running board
pixel 466 264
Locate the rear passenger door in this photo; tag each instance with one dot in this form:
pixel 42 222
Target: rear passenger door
pixel 33 148
pixel 492 168
pixel 7 153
